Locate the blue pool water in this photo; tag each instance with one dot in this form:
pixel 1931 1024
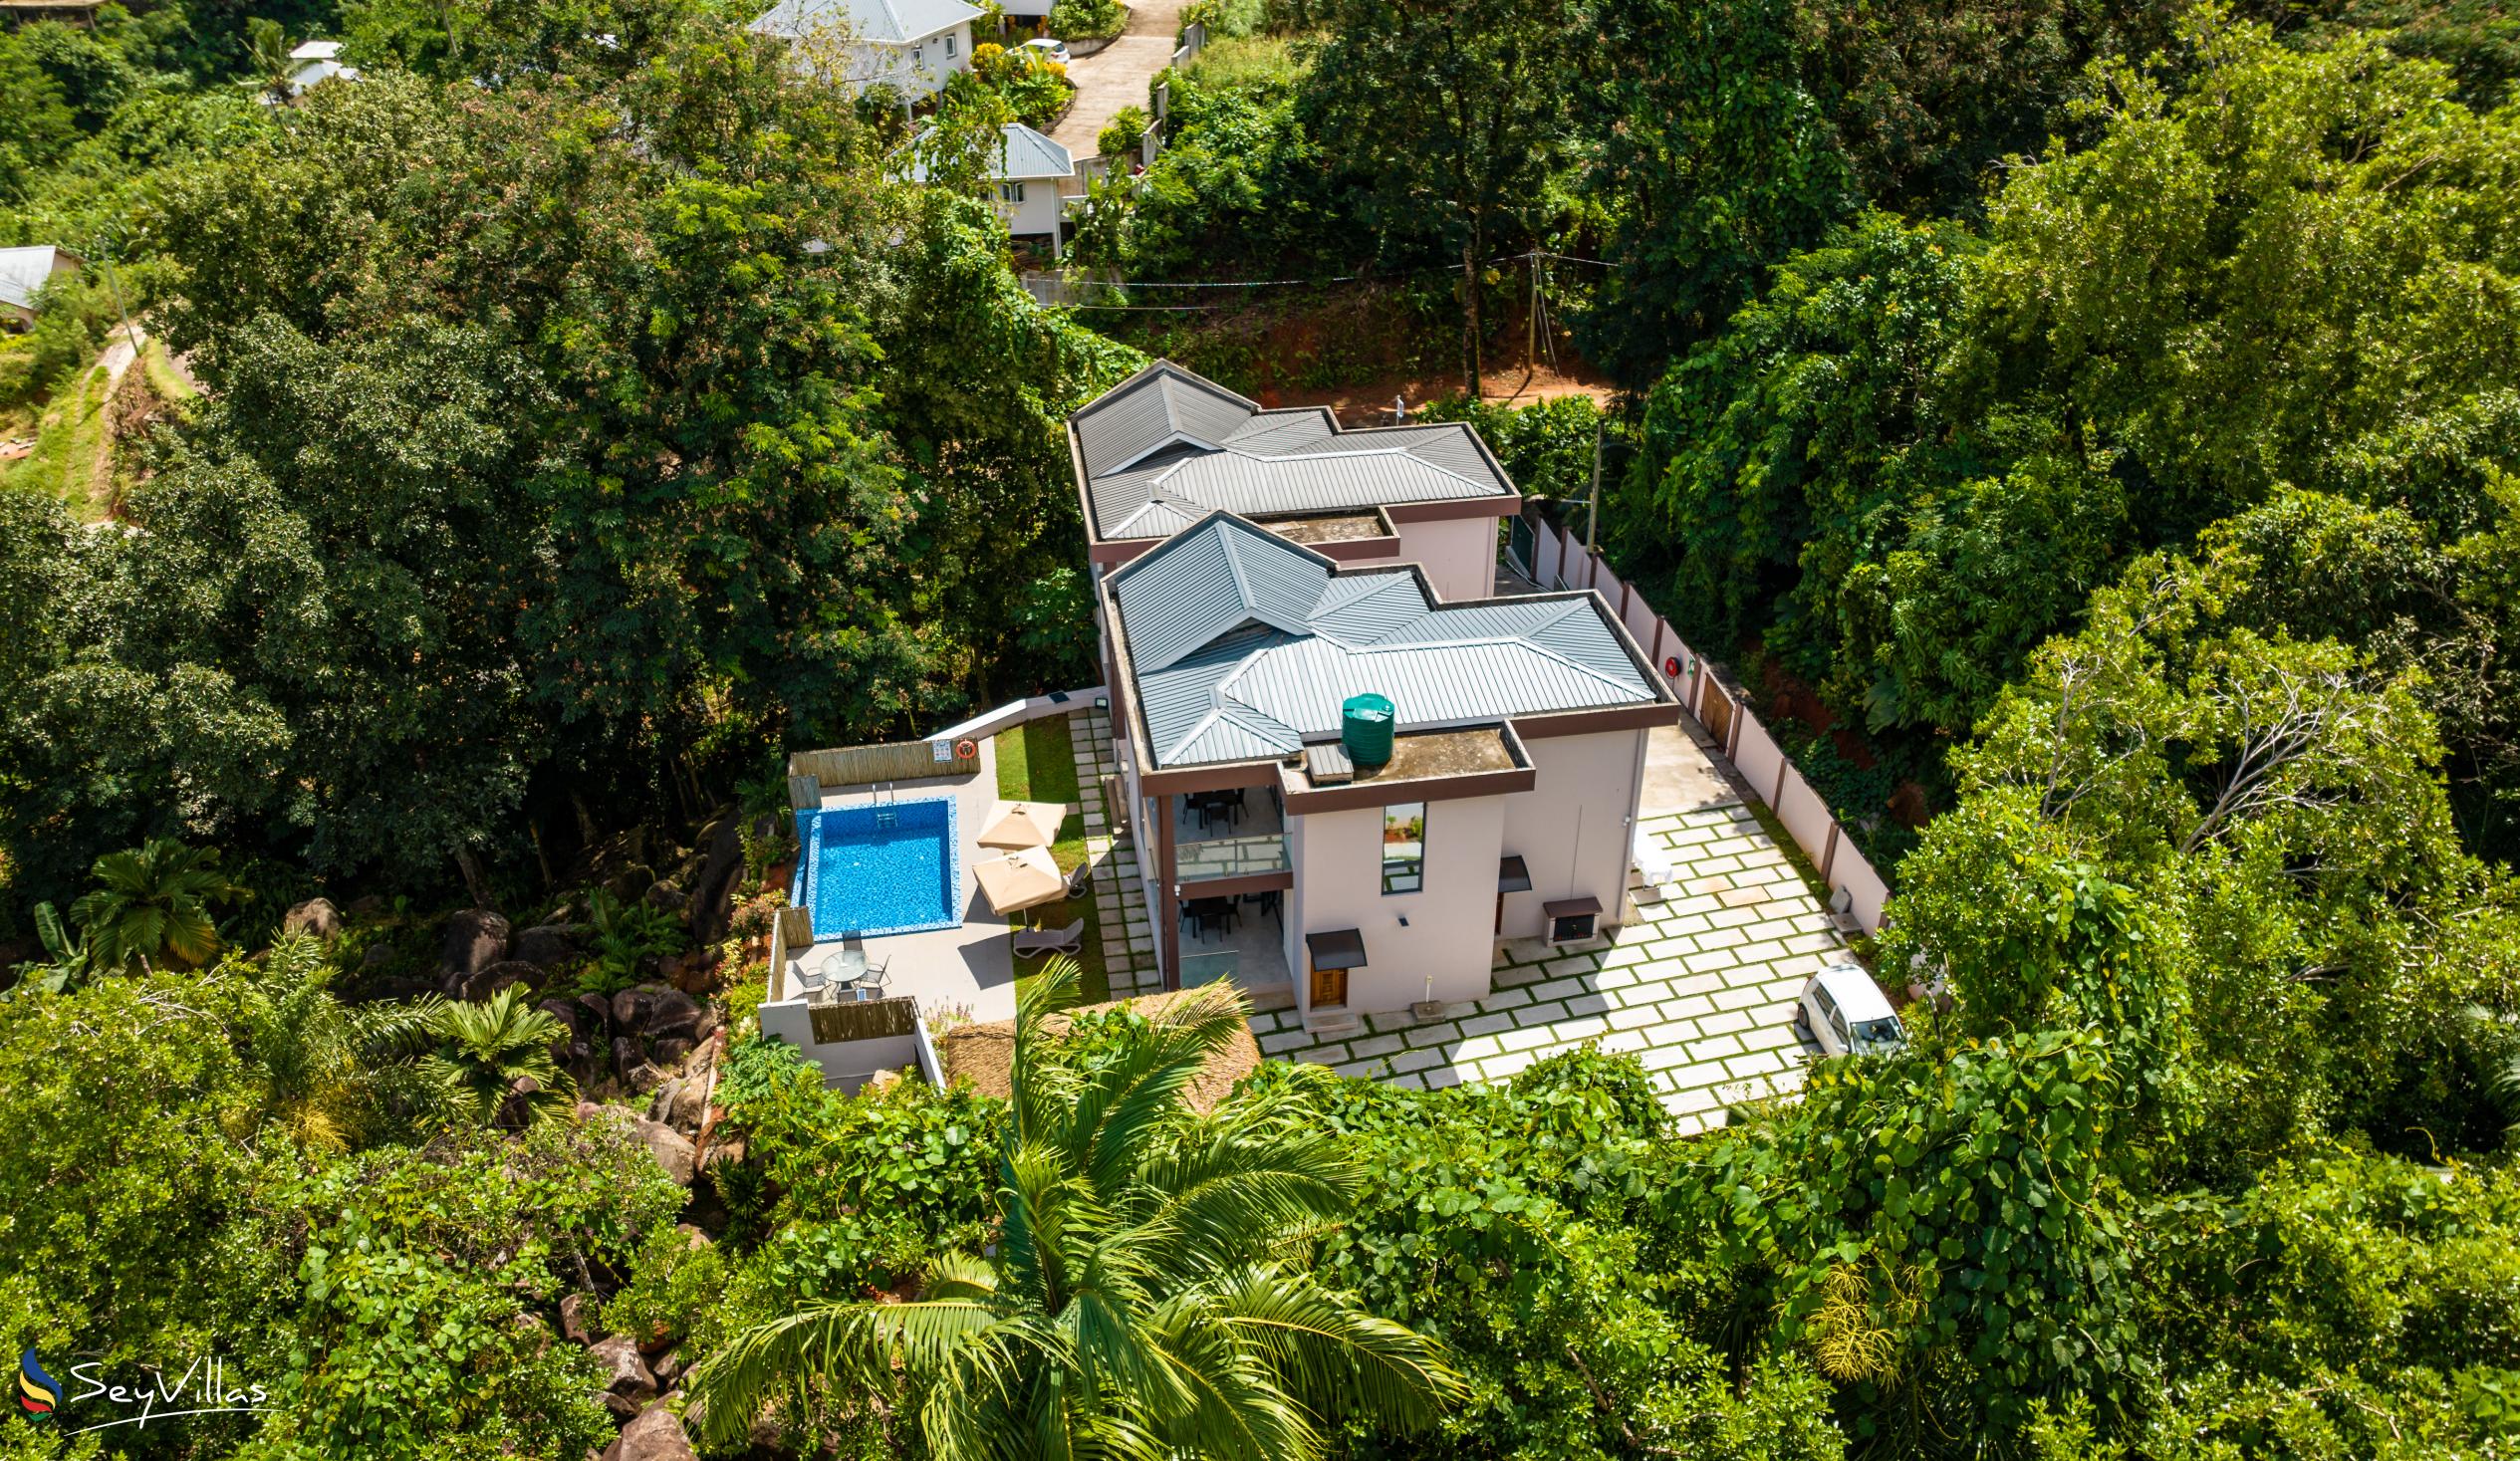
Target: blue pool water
pixel 891 867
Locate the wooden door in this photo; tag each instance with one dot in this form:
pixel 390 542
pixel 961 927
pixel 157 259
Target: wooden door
pixel 1330 989
pixel 1714 711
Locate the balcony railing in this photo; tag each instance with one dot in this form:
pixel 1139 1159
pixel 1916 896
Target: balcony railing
pixel 1231 857
pixel 1198 969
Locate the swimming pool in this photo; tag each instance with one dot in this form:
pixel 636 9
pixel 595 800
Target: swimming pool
pixel 886 867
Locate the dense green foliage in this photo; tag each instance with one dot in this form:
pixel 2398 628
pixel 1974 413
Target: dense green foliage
pixel 1144 1288
pixel 176 1199
pixel 1922 449
pixel 2106 410
pixel 543 457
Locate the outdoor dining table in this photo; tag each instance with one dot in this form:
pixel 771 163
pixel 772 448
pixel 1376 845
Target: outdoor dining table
pixel 840 975
pixel 1207 912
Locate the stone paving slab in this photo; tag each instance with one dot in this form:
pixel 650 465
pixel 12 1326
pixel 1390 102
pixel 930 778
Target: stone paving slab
pixel 1699 987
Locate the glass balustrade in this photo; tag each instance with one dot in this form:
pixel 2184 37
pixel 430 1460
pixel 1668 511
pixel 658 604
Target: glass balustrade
pixel 1198 969
pixel 1231 857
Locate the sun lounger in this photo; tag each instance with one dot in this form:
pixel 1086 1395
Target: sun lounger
pixel 1051 940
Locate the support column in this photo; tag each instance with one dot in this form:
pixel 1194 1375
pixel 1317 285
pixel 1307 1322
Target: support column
pixel 1167 896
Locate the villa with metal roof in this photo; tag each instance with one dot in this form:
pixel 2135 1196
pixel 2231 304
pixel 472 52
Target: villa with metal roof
pixel 1167 447
pixel 912 46
pixel 1024 172
pixel 23 274
pixel 1350 787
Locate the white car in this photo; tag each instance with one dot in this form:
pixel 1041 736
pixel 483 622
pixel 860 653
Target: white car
pixel 1842 1009
pixel 1043 48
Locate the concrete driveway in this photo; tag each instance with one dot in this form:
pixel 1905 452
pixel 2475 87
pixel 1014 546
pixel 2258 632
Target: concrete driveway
pixel 1117 76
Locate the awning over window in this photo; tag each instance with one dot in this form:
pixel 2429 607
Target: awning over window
pixel 1340 948
pixel 1512 876
pixel 1572 907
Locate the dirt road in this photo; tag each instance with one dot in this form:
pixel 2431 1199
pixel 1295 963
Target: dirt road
pixel 1117 76
pixel 1370 405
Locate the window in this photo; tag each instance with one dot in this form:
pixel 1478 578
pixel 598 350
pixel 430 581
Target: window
pixel 949 48
pixel 1010 192
pixel 1404 847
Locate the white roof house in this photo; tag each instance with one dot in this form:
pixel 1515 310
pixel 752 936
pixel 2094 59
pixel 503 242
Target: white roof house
pixel 913 45
pixel 317 61
pixel 1023 155
pixel 1027 171
pixel 24 271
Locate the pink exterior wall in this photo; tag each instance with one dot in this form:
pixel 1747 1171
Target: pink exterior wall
pixel 1458 554
pixel 1338 860
pixel 1573 828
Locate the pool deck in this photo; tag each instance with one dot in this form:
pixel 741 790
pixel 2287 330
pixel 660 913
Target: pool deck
pixel 969 967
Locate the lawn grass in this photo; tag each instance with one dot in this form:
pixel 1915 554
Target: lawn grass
pixel 73 449
pixel 1036 762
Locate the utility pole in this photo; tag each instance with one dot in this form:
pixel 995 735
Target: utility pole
pixel 1593 513
pixel 106 262
pixel 1531 317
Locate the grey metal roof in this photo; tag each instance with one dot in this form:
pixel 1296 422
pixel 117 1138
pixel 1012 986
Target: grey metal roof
pixel 1166 446
pixel 23 272
pixel 881 22
pixel 1243 646
pixel 1021 153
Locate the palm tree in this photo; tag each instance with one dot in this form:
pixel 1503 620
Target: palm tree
pixel 494 1060
pixel 153 907
pixel 267 59
pixel 1146 1296
pixel 323 1064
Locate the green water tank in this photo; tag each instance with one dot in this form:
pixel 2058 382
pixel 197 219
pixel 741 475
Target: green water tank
pixel 1365 728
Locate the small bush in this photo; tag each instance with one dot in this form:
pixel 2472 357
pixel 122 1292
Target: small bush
pixel 1124 133
pixel 1090 20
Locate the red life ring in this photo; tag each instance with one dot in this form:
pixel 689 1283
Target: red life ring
pixel 967 748
pixel 1671 666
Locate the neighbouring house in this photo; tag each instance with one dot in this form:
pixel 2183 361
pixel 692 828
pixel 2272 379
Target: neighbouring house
pixel 1355 769
pixel 911 45
pixel 317 61
pixel 23 273
pixel 1023 178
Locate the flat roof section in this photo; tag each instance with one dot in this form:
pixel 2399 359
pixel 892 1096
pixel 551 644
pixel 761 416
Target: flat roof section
pixel 1423 756
pixel 1347 527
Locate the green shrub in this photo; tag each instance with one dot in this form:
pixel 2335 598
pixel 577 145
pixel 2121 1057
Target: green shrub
pixel 1092 20
pixel 18 381
pixel 626 935
pixel 1124 133
pixel 1546 447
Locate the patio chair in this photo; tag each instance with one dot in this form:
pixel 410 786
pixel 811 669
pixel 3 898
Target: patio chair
pixel 1051 940
pixel 1080 879
pixel 871 984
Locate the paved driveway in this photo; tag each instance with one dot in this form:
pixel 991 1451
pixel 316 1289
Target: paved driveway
pixel 1117 76
pixel 1700 985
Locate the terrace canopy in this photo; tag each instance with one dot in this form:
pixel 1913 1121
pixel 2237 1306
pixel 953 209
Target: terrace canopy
pixel 1020 880
pixel 1023 825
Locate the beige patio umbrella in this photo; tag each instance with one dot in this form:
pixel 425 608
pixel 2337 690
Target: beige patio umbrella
pixel 1020 880
pixel 1022 824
